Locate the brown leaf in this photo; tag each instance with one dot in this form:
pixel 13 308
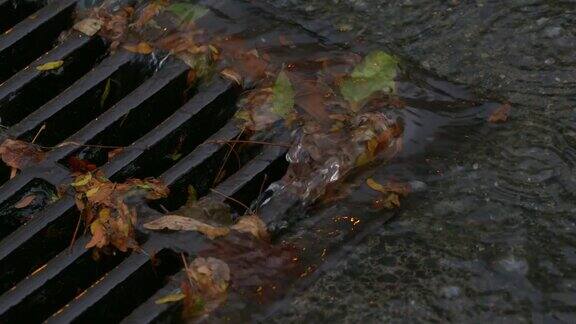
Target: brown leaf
pixel 149 12
pixel 402 189
pixel 232 75
pixel 501 114
pixel 89 26
pixel 211 276
pixel 387 201
pixel 79 165
pixel 25 202
pixel 114 152
pixel 140 48
pixel 252 224
pixel 181 223
pixel 18 154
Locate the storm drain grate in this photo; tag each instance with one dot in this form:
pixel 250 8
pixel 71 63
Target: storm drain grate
pixel 151 113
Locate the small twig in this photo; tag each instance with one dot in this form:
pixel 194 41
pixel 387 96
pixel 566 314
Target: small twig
pixel 186 268
pixel 261 190
pixel 81 145
pixel 38 133
pixel 75 232
pixel 248 142
pixel 230 198
pixel 232 145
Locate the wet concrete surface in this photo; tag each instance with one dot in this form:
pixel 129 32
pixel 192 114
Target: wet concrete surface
pixel 491 238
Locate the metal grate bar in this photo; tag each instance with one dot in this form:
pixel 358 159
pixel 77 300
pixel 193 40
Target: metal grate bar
pixel 103 71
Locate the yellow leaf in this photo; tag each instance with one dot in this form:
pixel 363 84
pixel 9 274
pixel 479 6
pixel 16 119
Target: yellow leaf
pixel 92 191
pixel 170 298
pixel 104 215
pixel 50 66
pixel 141 48
pixel 375 185
pixel 363 159
pixel 371 146
pixel 388 201
pixel 82 180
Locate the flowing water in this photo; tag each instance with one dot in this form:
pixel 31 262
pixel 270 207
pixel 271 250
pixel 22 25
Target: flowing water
pixel 491 235
pixel 488 232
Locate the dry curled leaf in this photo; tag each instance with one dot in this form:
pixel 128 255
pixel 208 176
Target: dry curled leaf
pixel 181 223
pixel 252 224
pixel 18 154
pixel 25 202
pixel 232 75
pixel 104 210
pixel 501 114
pixel 88 26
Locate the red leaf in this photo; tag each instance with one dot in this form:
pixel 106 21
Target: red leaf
pixel 79 165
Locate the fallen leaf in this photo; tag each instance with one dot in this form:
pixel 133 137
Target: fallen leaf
pixel 88 26
pixel 150 11
pixel 140 48
pixel 99 238
pixel 232 75
pixel 252 224
pixel 114 152
pixel 282 95
pixel 170 298
pixel 18 154
pixel 388 201
pixel 50 66
pixel 78 165
pixel 82 180
pixel 501 114
pixel 402 189
pixel 105 94
pixel 376 73
pixel 25 202
pixel 181 223
pixel 211 275
pixel 187 12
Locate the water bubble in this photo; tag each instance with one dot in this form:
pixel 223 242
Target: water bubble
pixel 450 292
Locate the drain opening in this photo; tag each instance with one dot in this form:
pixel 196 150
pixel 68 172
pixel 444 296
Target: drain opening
pixel 134 290
pixel 16 56
pixel 39 192
pixel 47 85
pixel 179 143
pixel 14 11
pixel 213 170
pixel 59 290
pixel 89 105
pixel 40 248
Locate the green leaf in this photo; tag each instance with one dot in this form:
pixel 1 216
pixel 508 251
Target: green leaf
pixel 50 66
pixel 375 73
pixel 170 298
pixel 283 96
pixel 105 94
pixel 187 12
